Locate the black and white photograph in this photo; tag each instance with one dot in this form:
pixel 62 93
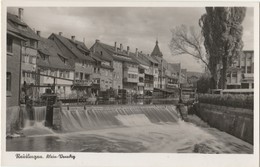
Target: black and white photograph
pixel 177 80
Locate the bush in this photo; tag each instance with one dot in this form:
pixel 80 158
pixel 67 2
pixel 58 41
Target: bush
pixel 203 84
pixel 238 101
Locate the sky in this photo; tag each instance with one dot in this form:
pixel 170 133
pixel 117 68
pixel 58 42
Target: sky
pixel 136 27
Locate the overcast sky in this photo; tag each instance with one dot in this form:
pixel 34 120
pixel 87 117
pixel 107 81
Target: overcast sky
pixel 134 27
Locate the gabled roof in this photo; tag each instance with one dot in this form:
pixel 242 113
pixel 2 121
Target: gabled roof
pixel 139 59
pixel 116 55
pixel 12 25
pixel 149 58
pixel 48 47
pixel 156 51
pixel 76 48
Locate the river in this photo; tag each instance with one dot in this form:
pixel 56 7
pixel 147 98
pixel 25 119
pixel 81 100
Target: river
pixel 128 129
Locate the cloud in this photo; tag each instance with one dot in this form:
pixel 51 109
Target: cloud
pixel 137 27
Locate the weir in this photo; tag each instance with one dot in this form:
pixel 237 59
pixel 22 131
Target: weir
pixel 98 117
pixel 36 115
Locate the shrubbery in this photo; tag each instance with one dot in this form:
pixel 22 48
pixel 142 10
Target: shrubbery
pixel 239 101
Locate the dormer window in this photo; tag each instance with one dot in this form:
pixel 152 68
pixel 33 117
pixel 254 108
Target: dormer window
pixel 63 59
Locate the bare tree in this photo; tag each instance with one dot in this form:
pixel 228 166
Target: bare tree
pixel 187 41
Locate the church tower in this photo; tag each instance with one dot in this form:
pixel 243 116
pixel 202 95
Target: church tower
pixel 156 51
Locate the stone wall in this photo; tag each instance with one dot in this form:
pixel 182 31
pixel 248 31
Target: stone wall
pixel 13 121
pixel 235 121
pixel 56 118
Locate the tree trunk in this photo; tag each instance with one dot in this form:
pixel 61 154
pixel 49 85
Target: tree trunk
pixel 224 72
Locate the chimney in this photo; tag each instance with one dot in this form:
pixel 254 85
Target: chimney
pixel 97 40
pixel 20 13
pixel 115 47
pixel 38 33
pixel 60 33
pixel 73 38
pixel 128 48
pixel 121 47
pixel 136 51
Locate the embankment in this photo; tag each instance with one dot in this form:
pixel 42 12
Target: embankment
pixel 235 121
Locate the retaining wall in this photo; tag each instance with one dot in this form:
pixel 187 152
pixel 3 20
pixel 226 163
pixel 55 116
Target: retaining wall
pixel 235 121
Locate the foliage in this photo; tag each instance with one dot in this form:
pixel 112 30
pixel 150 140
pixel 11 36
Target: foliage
pixel 239 101
pixel 222 29
pixel 203 84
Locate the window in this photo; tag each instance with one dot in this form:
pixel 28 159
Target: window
pixel 61 74
pixel 86 76
pixel 243 69
pixel 228 74
pixel 249 69
pixel 9 45
pixel 76 75
pixel 32 44
pixel 28 75
pixel 8 81
pixel 30 59
pixel 234 74
pixel 81 76
pixel 68 74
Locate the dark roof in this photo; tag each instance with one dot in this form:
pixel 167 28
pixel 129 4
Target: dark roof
pixel 149 58
pixel 156 51
pixel 75 48
pixel 139 59
pixel 12 24
pixel 48 47
pixel 122 55
pixel 107 67
pixel 15 35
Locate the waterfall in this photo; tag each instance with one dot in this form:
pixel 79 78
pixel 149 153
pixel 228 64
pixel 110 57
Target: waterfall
pixel 96 117
pixel 39 114
pixel 34 121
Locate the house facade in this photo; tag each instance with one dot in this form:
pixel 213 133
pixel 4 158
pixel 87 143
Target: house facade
pixel 54 69
pixel 13 70
pixel 77 55
pixel 241 74
pixel 29 47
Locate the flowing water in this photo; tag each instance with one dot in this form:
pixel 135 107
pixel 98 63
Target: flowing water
pixel 124 128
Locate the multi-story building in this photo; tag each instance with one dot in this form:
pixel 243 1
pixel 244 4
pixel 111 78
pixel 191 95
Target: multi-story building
pixel 125 69
pixel 149 72
pixel 54 68
pixel 142 67
pixel 77 55
pixel 104 76
pixel 241 74
pixel 29 47
pixel 162 66
pixel 13 72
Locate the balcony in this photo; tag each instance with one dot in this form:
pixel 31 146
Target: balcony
pixel 132 80
pixel 82 82
pixel 140 84
pixel 172 85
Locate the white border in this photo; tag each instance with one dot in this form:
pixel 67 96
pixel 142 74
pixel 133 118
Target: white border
pixel 135 159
